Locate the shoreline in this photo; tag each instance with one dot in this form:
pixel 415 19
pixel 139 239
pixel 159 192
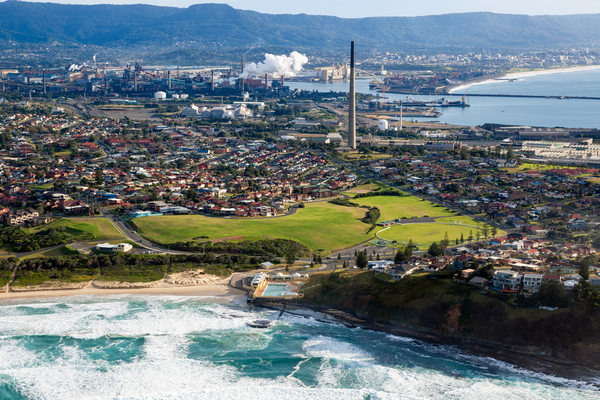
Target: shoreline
pixel 530 360
pixel 224 292
pixel 517 75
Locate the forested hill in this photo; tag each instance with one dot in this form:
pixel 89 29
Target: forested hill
pixel 223 26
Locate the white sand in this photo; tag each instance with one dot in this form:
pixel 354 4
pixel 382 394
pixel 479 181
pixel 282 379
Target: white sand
pixel 218 289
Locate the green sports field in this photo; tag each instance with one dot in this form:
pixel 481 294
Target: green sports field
pixel 318 226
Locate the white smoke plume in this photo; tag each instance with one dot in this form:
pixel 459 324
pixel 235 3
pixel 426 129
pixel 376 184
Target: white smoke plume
pixel 75 67
pixel 279 65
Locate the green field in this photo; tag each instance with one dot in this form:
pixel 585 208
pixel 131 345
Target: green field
pixel 83 228
pixel 426 233
pixel 393 207
pixel 318 226
pixel 61 251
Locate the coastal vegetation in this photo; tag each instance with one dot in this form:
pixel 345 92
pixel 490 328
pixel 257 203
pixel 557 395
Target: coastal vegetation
pixel 444 306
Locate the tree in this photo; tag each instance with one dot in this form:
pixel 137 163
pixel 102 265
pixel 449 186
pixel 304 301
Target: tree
pixel 290 257
pixel 509 153
pixel 378 257
pixel 361 260
pixel 435 249
pixel 444 243
pixel 470 238
pixel 584 269
pixel 552 294
pixel 494 230
pixel 462 239
pixel 339 257
pixel 457 241
pixel 99 177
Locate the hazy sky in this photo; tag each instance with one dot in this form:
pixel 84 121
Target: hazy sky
pixel 357 9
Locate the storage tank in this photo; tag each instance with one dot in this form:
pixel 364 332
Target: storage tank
pixel 183 96
pixel 160 96
pixel 175 96
pixel 382 125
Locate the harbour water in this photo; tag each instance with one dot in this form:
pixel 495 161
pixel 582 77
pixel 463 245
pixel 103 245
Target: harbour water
pixel 512 111
pixel 167 347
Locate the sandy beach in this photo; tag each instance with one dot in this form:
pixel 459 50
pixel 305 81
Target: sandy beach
pixel 524 74
pixel 175 285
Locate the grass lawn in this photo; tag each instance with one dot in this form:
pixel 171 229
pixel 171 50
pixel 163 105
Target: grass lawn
pixel 393 207
pixel 594 180
pixel 45 186
pixel 61 251
pixel 364 188
pixel 534 167
pixel 83 228
pixel 318 226
pixel 372 156
pixel 426 233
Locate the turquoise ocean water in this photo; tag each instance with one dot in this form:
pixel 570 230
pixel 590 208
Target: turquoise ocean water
pixel 166 347
pixel 512 111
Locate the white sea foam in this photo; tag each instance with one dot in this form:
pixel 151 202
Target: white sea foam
pixel 163 367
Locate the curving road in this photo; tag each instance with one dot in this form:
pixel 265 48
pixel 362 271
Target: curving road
pixel 129 233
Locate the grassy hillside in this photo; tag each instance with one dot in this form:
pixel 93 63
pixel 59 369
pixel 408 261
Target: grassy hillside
pixel 83 228
pixel 318 226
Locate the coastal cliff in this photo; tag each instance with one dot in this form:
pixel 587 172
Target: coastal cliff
pixel 441 311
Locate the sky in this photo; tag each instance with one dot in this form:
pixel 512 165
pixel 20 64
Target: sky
pixel 358 9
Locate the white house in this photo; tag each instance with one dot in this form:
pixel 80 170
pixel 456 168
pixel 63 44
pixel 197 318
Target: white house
pixel 532 282
pixel 124 247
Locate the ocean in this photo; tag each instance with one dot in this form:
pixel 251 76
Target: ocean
pixel 168 347
pixel 571 113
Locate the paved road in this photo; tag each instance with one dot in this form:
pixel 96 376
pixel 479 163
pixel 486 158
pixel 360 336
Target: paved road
pixel 129 233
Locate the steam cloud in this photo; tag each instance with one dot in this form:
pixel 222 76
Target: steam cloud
pixel 281 65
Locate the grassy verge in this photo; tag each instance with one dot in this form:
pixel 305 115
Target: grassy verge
pixel 61 251
pixel 83 228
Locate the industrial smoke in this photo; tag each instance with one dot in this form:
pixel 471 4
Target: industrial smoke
pixel 278 65
pixel 75 67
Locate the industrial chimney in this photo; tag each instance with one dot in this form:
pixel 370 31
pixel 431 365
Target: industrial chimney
pixel 282 80
pixel 266 81
pixel 44 79
pixel 352 103
pixel 243 64
pixel 212 78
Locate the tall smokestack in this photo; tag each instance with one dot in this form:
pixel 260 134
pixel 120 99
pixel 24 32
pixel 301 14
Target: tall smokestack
pixel 135 81
pixel 169 79
pixel 44 79
pixel 212 78
pixel 282 80
pixel 266 81
pixel 352 103
pixel 243 64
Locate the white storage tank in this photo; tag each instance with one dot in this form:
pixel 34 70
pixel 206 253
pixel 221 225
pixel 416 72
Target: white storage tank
pixel 382 125
pixel 183 96
pixel 175 96
pixel 160 96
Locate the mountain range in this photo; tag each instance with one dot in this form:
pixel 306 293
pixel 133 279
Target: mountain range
pixel 223 26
